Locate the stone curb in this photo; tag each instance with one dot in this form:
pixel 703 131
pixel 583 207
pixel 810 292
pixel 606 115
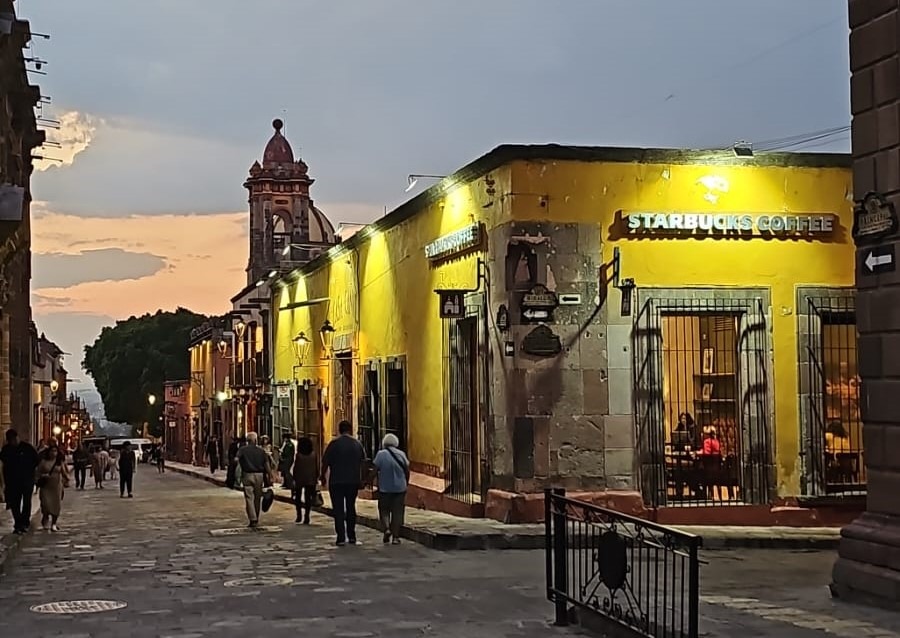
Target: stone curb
pixel 448 541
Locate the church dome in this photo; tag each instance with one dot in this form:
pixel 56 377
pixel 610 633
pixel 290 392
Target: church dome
pixel 278 150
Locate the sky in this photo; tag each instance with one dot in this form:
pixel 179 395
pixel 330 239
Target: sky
pixel 163 105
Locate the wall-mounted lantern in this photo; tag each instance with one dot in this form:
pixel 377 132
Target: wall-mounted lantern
pixel 239 328
pixel 301 347
pixel 223 346
pixel 54 386
pixel 327 334
pixel 502 318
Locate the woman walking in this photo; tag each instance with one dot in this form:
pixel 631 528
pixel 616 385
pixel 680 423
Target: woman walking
pixel 52 479
pixel 97 468
pixel 306 473
pixel 393 479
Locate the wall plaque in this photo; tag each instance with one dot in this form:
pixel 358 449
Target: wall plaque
pixel 452 304
pixel 873 217
pixel 540 297
pixel 541 342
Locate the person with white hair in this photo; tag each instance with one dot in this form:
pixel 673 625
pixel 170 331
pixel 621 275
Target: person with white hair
pixel 393 479
pixel 255 464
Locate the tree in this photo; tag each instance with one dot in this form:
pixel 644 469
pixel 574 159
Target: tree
pixel 132 360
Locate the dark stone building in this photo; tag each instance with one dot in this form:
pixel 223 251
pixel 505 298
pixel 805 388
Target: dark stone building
pixel 19 135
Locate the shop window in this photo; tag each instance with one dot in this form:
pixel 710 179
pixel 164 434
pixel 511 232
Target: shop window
pixel 521 266
pixel 370 408
pixel 832 424
pixel 701 401
pixel 395 412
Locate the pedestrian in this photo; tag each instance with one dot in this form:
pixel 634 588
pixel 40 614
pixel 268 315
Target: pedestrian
pixel 52 478
pixel 212 452
pixel 160 459
pixel 343 462
pixel 230 471
pixel 113 463
pixel 256 470
pixel 80 461
pixel 393 480
pixel 285 461
pixel 97 468
pixel 127 465
pixel 19 460
pixel 305 476
pixel 104 463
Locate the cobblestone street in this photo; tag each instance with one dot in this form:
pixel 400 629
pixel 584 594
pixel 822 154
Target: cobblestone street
pixel 179 557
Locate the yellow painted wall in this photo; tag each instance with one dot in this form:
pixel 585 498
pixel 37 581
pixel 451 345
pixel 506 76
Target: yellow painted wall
pixel 395 312
pixel 593 192
pixel 201 368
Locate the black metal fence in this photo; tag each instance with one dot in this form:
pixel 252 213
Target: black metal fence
pixel 635 573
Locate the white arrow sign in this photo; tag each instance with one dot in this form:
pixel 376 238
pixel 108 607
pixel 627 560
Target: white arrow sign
pixel 536 314
pixel 873 261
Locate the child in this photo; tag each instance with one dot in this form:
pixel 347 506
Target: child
pixel 306 473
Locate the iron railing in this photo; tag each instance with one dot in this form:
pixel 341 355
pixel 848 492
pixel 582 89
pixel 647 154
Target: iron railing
pixel 629 571
pixel 830 387
pixel 701 373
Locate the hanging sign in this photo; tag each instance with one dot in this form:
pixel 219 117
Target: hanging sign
pixel 283 391
pixel 452 304
pixel 454 243
pixel 873 217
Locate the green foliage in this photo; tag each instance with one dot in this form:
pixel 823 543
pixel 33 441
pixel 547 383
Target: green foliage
pixel 132 360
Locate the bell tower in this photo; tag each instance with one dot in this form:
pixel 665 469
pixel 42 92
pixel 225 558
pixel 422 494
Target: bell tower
pixel 286 229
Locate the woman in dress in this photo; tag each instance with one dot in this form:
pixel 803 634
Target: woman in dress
pixel 52 479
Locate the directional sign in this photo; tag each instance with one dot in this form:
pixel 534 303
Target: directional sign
pixel 879 259
pixel 533 314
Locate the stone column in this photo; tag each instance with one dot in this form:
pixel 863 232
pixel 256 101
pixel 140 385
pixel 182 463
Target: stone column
pixel 868 566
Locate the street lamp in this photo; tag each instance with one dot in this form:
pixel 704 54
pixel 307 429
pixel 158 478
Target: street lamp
pixel 301 347
pixel 413 179
pixel 327 334
pixel 151 399
pixel 57 430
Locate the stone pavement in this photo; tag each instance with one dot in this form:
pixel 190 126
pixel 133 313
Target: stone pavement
pixel 438 530
pixel 180 559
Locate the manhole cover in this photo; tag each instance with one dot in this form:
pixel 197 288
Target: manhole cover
pixel 79 607
pixel 262 581
pixel 235 531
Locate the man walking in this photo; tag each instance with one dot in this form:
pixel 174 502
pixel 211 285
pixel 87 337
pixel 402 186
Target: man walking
pixel 127 463
pixel 256 465
pixel 20 461
pixel 80 460
pixel 343 462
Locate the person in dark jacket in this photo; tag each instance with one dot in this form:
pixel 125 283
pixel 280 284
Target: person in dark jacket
pixel 343 462
pixel 306 473
pixel 127 463
pixel 212 454
pixel 80 460
pixel 20 461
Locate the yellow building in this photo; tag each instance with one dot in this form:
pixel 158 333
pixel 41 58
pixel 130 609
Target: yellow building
pixel 210 392
pixel 656 327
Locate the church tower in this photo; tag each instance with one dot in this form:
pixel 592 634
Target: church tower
pixel 286 229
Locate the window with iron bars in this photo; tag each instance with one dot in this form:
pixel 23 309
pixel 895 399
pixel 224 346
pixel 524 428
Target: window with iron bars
pixel 395 408
pixel 829 395
pixel 370 424
pixel 701 400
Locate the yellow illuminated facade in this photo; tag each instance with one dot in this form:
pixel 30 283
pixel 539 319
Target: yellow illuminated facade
pixel 674 324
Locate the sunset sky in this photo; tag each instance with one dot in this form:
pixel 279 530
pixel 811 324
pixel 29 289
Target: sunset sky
pixel 164 105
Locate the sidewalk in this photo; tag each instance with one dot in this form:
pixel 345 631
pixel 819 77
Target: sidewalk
pixel 9 542
pixel 445 532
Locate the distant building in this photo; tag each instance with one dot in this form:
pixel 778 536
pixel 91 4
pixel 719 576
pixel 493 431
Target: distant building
pixel 19 135
pixel 286 232
pixel 49 390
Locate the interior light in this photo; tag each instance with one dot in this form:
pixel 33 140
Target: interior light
pixel 260 282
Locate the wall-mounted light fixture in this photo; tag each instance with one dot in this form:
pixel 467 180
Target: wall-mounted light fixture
pixel 54 385
pixel 414 179
pixel 240 327
pixel 301 347
pixel 327 334
pixel 502 318
pixel 223 346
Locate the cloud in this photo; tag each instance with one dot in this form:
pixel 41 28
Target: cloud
pixel 75 133
pixel 63 270
pixel 41 302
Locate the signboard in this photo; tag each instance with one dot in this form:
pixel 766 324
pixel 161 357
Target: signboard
pixel 454 243
pixel 452 304
pixel 775 224
pixel 536 314
pixel 172 424
pixel 570 299
pixel 509 348
pixel 540 297
pixel 542 342
pixel 283 391
pixel 873 217
pixel 878 259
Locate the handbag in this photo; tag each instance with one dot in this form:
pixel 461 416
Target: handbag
pixel 267 499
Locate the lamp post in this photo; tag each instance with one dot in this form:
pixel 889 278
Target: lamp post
pixel 326 332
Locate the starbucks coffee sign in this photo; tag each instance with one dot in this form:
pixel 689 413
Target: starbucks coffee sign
pixel 776 225
pixel 454 243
